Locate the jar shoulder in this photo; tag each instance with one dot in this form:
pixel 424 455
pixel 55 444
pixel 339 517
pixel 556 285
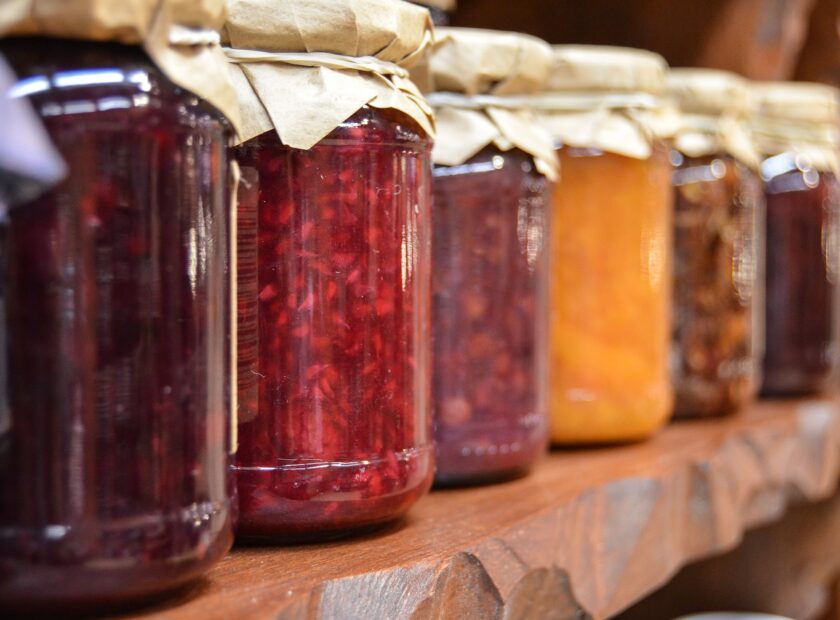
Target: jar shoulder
pixel 72 78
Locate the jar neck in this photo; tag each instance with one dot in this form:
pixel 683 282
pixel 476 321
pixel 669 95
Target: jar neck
pixel 33 55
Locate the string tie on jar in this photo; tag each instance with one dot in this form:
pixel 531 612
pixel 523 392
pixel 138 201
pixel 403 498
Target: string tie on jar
pixel 367 64
pixel 546 101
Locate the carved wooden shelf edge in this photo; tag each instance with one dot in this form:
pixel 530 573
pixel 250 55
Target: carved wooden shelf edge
pixel 586 535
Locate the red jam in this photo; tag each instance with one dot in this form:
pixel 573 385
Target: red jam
pixel 803 206
pixel 334 423
pixel 113 454
pixel 490 310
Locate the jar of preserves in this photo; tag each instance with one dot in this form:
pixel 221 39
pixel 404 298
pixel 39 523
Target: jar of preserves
pixel 610 319
pixel 114 483
pixel 795 128
pixel 493 169
pixel 334 268
pixel 718 258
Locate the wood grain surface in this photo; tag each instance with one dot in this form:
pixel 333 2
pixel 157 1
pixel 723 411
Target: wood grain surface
pixel 788 568
pixel 586 535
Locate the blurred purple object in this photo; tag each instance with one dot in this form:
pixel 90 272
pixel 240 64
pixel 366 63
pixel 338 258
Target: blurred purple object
pixel 29 163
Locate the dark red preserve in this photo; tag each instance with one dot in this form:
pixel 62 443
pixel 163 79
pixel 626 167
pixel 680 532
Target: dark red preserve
pixel 115 436
pixel 334 421
pixel 795 125
pixel 803 215
pixel 490 313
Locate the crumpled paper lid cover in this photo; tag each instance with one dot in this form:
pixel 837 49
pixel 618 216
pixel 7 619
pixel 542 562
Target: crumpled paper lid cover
pixel 797 117
pixel 305 103
pixel 508 67
pixel 712 109
pixel 708 91
pixel 607 98
pixel 601 68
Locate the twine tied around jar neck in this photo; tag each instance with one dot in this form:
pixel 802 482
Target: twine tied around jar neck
pixel 507 122
pixel 185 35
pixel 820 141
pixel 704 134
pixel 368 64
pixel 625 123
pixel 549 102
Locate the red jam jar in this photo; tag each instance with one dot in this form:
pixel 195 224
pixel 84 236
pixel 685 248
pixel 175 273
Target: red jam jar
pixel 490 308
pixel 795 125
pixel 334 422
pixel 114 481
pixel 489 254
pixel 333 260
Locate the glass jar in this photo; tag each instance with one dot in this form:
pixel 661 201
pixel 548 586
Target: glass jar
pixel 718 227
pixel 803 205
pixel 610 321
pixel 490 310
pixel 610 296
pixel 113 465
pixel 795 126
pixel 335 426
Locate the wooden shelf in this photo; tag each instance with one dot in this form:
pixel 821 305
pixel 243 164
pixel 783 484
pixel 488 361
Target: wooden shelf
pixel 589 533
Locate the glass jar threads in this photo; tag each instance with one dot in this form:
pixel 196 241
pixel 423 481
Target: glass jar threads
pixel 795 128
pixel 114 464
pixel 490 255
pixel 611 246
pixel 718 237
pixel 334 251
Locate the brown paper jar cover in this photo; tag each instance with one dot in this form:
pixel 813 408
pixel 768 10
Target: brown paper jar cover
pixel 480 81
pixel 712 108
pixel 305 103
pixel 605 97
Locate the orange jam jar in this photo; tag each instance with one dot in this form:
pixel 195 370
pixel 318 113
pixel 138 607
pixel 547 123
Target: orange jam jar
pixel 611 246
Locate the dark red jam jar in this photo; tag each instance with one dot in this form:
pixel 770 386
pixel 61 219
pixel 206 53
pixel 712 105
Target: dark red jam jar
pixel 334 260
pixel 115 337
pixel 490 311
pixel 796 128
pixel 803 215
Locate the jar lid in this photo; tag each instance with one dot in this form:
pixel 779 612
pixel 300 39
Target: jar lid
pixel 606 98
pixel 302 67
pixel 600 68
pixel 181 37
pixel 711 109
pixel 474 61
pixel 796 101
pixel 478 82
pixel 708 91
pixel 797 117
